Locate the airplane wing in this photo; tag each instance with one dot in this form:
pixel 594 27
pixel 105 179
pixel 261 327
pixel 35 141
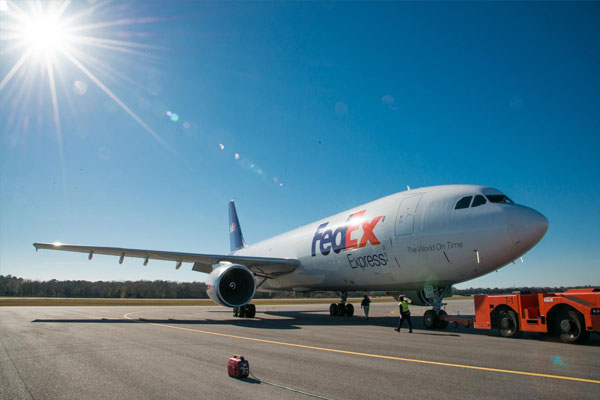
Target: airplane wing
pixel 261 266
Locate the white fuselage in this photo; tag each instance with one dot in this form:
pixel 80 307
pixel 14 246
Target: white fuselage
pixel 405 241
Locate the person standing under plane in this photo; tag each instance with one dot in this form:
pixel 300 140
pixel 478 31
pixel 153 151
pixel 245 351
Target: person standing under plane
pixel 365 305
pixel 404 314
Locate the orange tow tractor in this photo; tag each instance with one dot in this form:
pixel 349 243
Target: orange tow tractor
pixel 572 315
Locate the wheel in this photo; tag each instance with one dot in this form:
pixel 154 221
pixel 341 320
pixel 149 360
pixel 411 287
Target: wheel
pixel 349 310
pixel 250 310
pixel 570 327
pixel 430 319
pixel 509 323
pixel 341 310
pixel 236 311
pixel 242 311
pixel 442 324
pixel 333 310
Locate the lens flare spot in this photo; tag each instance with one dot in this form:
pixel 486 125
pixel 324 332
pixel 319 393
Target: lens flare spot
pixel 221 146
pixel 186 125
pixel 237 156
pixel 80 87
pixel 104 153
pixel 276 179
pixel 281 185
pixel 172 116
pixel 557 361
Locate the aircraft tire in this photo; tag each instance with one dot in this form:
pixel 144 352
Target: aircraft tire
pixel 250 310
pixel 242 312
pixel 430 319
pixel 236 311
pixel 442 324
pixel 349 310
pixel 333 310
pixel 341 310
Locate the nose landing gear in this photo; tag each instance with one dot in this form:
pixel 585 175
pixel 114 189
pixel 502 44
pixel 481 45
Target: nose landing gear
pixel 341 309
pixel 435 318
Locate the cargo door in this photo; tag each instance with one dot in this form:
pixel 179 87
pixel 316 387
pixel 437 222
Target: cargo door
pixel 405 218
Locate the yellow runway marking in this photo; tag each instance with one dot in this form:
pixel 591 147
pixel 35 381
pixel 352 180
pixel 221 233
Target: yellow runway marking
pixel 353 353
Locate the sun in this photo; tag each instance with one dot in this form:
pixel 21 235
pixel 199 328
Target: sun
pixel 39 29
pixel 45 32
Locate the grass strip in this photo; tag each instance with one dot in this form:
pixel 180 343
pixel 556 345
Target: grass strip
pixel 78 302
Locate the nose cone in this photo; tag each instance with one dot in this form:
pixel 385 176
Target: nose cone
pixel 526 226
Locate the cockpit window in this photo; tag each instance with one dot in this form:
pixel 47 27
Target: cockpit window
pixel 463 203
pixel 478 201
pixel 499 198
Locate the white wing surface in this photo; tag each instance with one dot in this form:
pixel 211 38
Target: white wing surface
pixel 260 266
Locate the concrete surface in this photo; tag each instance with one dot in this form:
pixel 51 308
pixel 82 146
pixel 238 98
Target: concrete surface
pixel 182 352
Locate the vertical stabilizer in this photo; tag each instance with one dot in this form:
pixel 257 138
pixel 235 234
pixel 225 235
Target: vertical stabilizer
pixel 236 239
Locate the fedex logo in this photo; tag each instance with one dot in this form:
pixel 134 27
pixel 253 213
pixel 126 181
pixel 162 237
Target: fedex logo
pixel 346 236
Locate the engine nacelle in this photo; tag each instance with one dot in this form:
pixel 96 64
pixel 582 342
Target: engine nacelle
pixel 231 285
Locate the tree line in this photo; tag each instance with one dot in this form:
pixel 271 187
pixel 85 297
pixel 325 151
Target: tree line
pixel 14 286
pixel 522 289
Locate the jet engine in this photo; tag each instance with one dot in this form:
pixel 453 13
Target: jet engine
pixel 231 285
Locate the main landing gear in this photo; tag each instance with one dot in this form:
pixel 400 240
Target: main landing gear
pixel 246 311
pixel 341 309
pixel 435 318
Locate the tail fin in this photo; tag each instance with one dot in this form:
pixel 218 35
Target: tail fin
pixel 236 239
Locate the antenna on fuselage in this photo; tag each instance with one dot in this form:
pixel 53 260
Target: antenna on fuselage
pixel 407 187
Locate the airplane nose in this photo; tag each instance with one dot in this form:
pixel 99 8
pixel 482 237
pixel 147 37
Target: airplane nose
pixel 526 226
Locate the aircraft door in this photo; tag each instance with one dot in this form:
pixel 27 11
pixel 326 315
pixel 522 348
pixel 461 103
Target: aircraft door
pixel 405 218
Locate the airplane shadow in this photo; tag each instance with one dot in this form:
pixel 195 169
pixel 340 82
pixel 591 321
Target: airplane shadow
pixel 291 320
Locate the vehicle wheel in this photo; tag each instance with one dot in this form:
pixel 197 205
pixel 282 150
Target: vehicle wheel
pixel 242 311
pixel 430 319
pixel 250 310
pixel 236 311
pixel 341 310
pixel 570 327
pixel 349 310
pixel 509 323
pixel 333 310
pixel 442 324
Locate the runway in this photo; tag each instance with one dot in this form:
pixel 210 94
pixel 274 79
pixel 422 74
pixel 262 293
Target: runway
pixel 176 352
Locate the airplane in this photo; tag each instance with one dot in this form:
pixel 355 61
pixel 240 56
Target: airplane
pixel 418 242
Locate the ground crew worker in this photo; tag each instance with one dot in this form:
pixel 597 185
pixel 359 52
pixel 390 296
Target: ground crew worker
pixel 365 305
pixel 404 314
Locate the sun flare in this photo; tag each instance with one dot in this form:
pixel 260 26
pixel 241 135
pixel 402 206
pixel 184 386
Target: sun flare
pixel 47 38
pixel 45 32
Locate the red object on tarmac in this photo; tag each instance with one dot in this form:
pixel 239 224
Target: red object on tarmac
pixel 238 367
pixel 572 315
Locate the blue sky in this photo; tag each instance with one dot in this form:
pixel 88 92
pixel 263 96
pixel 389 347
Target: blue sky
pixel 327 106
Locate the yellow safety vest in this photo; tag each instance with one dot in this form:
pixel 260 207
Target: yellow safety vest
pixel 403 306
